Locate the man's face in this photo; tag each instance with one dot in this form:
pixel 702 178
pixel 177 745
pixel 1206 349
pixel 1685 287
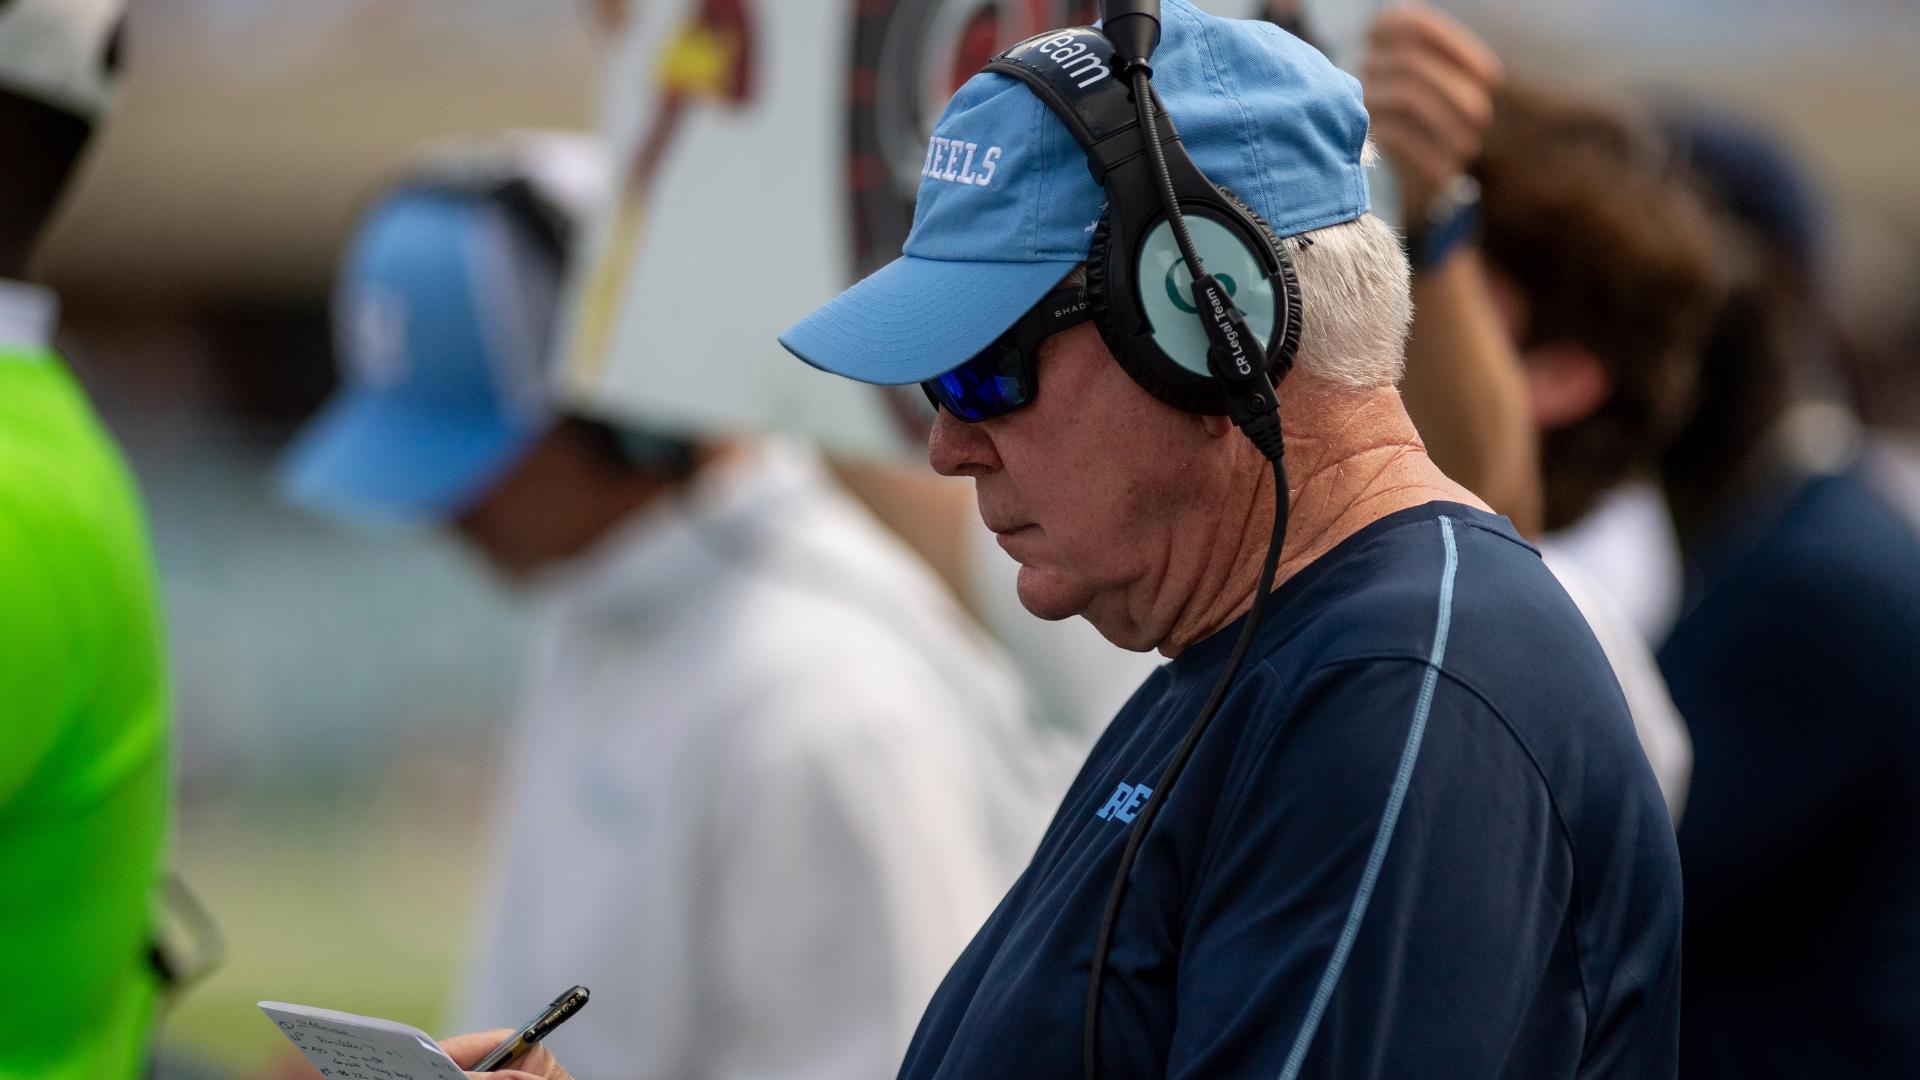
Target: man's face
pixel 527 519
pixel 1100 492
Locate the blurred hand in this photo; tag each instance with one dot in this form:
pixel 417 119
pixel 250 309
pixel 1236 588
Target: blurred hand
pixel 1429 85
pixel 465 1050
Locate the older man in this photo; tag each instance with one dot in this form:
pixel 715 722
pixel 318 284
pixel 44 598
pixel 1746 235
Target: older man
pixel 1419 838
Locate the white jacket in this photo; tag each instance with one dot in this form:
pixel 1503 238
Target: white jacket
pixel 767 783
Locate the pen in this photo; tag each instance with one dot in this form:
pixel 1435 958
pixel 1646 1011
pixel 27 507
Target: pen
pixel 538 1028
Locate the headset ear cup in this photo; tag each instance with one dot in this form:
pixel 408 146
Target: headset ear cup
pixel 1279 360
pixel 1098 297
pixel 1161 378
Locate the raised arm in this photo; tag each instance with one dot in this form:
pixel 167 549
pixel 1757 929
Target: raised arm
pixel 1429 90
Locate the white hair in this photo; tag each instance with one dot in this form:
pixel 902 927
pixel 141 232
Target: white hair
pixel 1357 302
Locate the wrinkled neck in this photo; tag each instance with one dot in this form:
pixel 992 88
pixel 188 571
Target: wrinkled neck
pixel 1352 457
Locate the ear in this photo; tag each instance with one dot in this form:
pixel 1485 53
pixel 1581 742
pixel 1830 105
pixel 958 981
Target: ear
pixel 1566 383
pixel 1216 426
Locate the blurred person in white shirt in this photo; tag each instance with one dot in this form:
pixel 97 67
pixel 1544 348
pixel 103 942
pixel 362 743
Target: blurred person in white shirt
pixel 767 778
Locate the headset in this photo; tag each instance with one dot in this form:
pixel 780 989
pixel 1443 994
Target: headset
pixel 1218 352
pixel 1218 349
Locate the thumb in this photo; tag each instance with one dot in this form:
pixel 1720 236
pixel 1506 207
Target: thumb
pixel 510 1074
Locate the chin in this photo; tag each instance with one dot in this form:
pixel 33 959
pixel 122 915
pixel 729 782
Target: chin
pixel 1046 596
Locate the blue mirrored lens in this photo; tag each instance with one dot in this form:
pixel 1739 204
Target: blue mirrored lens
pixel 989 385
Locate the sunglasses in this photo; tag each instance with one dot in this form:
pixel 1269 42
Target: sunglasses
pixel 1000 378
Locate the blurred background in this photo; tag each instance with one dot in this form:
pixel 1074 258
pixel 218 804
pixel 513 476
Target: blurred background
pixel 339 696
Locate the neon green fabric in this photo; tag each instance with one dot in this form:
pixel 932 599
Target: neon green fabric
pixel 83 719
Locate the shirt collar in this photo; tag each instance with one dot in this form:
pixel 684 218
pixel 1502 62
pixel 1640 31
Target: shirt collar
pixel 27 314
pixel 669 546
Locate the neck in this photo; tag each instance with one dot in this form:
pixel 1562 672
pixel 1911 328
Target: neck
pixel 619 499
pixel 1352 458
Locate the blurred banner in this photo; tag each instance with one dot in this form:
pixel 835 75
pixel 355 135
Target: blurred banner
pixel 772 152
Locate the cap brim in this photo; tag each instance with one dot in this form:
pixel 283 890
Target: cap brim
pixel 914 319
pixel 376 460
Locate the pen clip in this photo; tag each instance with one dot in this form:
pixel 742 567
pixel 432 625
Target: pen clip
pixel 557 1013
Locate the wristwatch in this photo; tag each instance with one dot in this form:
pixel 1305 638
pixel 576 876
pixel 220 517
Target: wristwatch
pixel 1452 218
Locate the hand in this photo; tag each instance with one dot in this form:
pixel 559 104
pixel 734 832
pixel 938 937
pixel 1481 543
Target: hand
pixel 1429 85
pixel 465 1050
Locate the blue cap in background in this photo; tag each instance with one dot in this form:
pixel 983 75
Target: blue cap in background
pixel 1007 207
pixel 443 314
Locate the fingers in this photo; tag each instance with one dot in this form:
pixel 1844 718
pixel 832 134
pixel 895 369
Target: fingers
pixel 1461 101
pixel 1429 89
pixel 538 1064
pixel 1418 114
pixel 1422 28
pixel 465 1050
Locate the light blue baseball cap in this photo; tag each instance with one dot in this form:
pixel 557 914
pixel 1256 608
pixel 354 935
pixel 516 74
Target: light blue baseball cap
pixel 443 314
pixel 1007 207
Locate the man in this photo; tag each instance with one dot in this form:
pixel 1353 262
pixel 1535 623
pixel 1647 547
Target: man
pixel 766 777
pixel 1606 275
pixel 83 688
pixel 1513 910
pixel 1559 301
pixel 1793 659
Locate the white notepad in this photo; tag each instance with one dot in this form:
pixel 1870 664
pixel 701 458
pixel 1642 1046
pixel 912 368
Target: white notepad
pixel 348 1047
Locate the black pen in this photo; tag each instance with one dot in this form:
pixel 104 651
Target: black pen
pixel 538 1028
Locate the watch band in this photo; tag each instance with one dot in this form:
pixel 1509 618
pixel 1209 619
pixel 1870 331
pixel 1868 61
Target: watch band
pixel 1451 220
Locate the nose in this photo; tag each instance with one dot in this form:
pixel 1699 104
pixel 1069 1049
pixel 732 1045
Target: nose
pixel 958 449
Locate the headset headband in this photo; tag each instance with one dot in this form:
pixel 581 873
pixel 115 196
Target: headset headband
pixel 1071 71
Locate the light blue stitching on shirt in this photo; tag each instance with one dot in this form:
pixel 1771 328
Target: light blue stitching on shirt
pixel 1408 755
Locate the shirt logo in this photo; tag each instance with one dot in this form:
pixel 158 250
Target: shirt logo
pixel 954 161
pixel 1125 803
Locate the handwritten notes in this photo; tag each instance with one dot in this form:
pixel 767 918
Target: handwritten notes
pixel 348 1047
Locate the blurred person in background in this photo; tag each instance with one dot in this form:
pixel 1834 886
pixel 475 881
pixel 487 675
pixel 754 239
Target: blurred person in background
pixel 1559 287
pixel 84 705
pixel 767 777
pixel 1883 358
pixel 1794 661
pixel 1606 275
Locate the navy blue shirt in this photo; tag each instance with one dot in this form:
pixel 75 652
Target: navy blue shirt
pixel 1523 919
pixel 1797 666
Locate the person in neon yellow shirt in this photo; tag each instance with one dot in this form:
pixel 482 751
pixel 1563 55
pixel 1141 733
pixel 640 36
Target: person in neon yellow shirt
pixel 83 688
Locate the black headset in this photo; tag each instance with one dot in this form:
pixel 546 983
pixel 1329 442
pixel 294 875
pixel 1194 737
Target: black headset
pixel 1164 223
pixel 1219 352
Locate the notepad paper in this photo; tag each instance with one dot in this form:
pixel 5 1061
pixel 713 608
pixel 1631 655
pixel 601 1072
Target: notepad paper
pixel 348 1047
